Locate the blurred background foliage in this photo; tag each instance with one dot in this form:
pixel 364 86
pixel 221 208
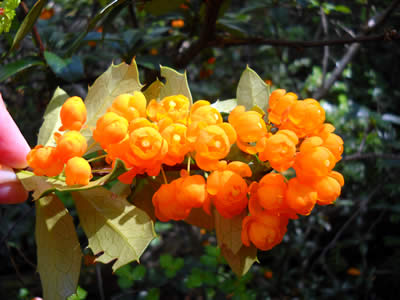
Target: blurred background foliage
pixel 349 250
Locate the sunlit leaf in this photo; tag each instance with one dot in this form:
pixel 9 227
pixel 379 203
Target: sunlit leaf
pixel 228 231
pixel 52 119
pixel 153 91
pixel 117 80
pixel 58 250
pixel 113 226
pixel 240 262
pixel 252 91
pixel 176 83
pixel 225 106
pixel 43 186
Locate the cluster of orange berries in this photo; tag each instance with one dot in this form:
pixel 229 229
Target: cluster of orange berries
pixel 146 136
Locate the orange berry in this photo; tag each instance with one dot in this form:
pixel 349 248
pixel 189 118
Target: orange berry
pixel 175 200
pixel 263 230
pixel 304 117
pixel 110 129
pixel 175 107
pixel 249 127
pixel 328 190
pixel 279 149
pixel 129 106
pixel 147 144
pixel 46 14
pixel 212 144
pixel 271 191
pixel 228 192
pixel 70 144
pixel 44 162
pixel 268 274
pixel 335 144
pixel 300 197
pixel 77 171
pixel 313 160
pixel 192 191
pixel 178 23
pixel 279 103
pixel 73 114
pixel 175 135
pixel 354 272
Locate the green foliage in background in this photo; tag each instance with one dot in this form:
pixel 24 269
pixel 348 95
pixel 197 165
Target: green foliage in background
pixel 84 37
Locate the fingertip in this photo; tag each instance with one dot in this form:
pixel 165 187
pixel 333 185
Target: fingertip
pixel 12 193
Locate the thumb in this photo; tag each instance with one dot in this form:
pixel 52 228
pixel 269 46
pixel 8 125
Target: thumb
pixel 13 146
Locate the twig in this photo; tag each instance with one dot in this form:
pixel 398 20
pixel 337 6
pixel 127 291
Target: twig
pixel 371 25
pixel 230 42
pixel 207 34
pixel 357 156
pixel 100 282
pixel 35 33
pixel 361 207
pixel 132 14
pixel 324 22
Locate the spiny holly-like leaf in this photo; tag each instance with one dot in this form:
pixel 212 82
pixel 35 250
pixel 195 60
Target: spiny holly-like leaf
pixel 58 250
pixel 176 83
pixel 225 106
pixel 153 91
pixel 113 226
pixel 52 119
pixel 252 91
pixel 228 231
pixel 43 186
pixel 37 184
pixel 240 262
pixel 117 80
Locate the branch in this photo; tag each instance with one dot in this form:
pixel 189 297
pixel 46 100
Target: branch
pixel 357 156
pixel 372 24
pixel 207 34
pixel 225 42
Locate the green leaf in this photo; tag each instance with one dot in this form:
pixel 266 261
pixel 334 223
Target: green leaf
pixel 252 91
pixel 31 182
pixel 161 7
pixel 176 83
pixel 42 186
pixel 240 262
pixel 343 9
pixel 225 106
pixel 27 24
pixel 52 119
pixel 117 80
pixel 58 250
pixel 92 24
pixel 153 91
pixel 8 14
pixel 228 231
pixel 113 226
pixel 69 69
pixel 15 67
